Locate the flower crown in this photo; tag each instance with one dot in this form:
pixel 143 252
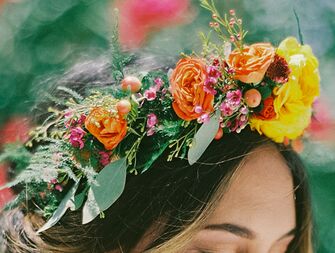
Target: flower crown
pixel 88 149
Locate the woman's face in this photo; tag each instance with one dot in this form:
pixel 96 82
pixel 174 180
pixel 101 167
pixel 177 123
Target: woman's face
pixel 256 214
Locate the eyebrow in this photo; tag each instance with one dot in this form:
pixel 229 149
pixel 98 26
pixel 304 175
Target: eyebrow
pixel 241 231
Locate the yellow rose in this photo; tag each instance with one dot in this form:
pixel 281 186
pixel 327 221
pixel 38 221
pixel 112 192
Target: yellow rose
pixel 293 116
pixel 292 100
pixel 304 67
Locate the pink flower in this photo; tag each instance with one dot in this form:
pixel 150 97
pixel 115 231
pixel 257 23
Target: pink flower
pixel 204 118
pixel 139 17
pixel 322 127
pixel 198 109
pixel 58 187
pixel 150 94
pixel 53 181
pixel 213 71
pixel 159 83
pixel 213 75
pixel 81 120
pixel 209 85
pixel 76 137
pixel 6 194
pixel 72 122
pixel 244 110
pixel 15 130
pixel 104 158
pixel 152 120
pixel 151 131
pixel 68 113
pixel 227 109
pixel 239 123
pixel 234 97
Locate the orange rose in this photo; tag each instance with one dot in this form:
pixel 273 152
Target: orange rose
pixel 187 87
pixel 108 128
pixel 268 111
pixel 251 64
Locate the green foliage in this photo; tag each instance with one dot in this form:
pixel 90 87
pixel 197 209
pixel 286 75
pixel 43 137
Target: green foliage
pixel 118 59
pixel 67 202
pixel 17 154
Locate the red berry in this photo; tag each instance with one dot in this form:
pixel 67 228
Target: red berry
pixel 219 134
pixel 123 106
pixel 253 98
pixel 131 83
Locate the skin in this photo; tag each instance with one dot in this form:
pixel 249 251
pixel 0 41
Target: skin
pixel 256 214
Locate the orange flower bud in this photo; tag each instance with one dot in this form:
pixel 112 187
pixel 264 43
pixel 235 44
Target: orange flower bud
pixel 131 83
pixel 252 98
pixel 123 106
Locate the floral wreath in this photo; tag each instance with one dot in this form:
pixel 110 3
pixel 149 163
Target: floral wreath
pixel 87 149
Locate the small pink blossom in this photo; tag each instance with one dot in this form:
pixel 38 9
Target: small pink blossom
pixel 152 121
pixel 76 137
pixel 151 131
pixel 82 119
pixel 68 113
pixel 234 125
pixel 72 122
pixel 58 187
pixel 104 158
pixel 227 109
pixel 150 94
pixel 208 88
pixel 241 122
pixel 53 181
pixel 159 83
pixel 204 118
pixel 213 71
pixel 244 110
pixel 213 75
pixel 198 109
pixel 234 97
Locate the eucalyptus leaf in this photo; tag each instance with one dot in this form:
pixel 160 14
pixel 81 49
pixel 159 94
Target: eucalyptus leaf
pixel 67 202
pixel 79 200
pixel 91 209
pixel 203 138
pixel 110 183
pixel 109 186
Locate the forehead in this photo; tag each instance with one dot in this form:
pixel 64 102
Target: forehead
pixel 260 196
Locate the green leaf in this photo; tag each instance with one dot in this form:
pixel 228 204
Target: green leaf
pixel 91 208
pixel 265 91
pixel 67 202
pixel 110 183
pixel 109 186
pixel 203 138
pixel 79 200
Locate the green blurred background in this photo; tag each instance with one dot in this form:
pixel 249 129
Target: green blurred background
pixel 39 38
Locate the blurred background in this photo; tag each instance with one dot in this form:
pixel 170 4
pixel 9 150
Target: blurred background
pixel 43 38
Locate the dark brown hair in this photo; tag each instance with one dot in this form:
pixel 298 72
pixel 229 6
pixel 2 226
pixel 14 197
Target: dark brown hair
pixel 170 197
